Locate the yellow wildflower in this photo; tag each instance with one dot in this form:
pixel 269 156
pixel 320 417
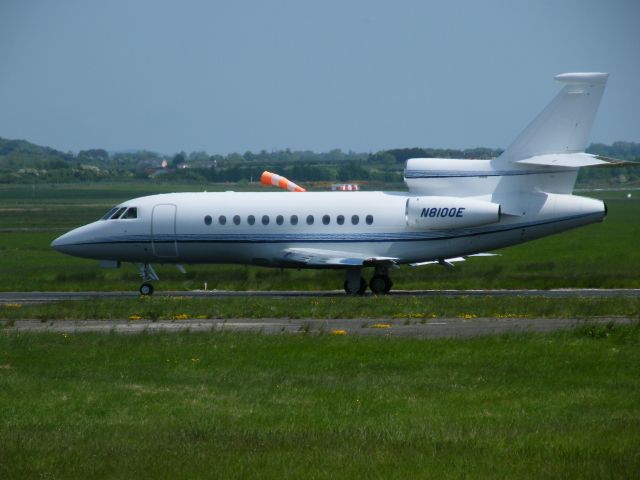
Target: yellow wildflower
pixel 338 332
pixel 381 325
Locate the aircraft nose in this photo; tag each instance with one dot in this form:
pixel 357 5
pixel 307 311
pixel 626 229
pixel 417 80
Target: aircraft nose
pixel 62 243
pixel 75 242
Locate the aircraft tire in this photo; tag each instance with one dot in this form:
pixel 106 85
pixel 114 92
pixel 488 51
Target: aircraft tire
pixel 380 284
pixel 146 289
pixel 360 291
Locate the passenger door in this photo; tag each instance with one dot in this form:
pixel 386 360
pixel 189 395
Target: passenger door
pixel 163 231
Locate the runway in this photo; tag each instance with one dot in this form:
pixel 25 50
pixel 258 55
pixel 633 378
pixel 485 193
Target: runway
pixel 48 297
pixel 431 329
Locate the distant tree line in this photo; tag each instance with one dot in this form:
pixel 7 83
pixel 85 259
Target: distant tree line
pixel 24 162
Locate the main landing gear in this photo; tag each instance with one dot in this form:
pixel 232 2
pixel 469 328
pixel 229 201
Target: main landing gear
pixel 355 284
pixel 147 273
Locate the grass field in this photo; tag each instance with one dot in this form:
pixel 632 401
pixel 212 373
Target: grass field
pixel 405 308
pixel 565 405
pixel 222 405
pixel 598 256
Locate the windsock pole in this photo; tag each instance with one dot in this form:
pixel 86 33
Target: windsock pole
pixel 268 178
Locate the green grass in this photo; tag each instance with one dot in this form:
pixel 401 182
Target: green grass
pixel 598 256
pixel 417 309
pixel 564 405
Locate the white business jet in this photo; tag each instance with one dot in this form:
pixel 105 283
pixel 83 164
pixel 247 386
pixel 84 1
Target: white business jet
pixel 453 209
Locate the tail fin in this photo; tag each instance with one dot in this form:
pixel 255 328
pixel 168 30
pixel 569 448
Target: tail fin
pixel 565 124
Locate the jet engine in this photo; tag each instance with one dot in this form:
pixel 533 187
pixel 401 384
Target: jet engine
pixel 448 213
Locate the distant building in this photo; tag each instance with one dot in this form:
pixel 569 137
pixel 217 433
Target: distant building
pixel 345 187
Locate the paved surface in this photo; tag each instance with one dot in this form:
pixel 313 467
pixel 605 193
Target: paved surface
pixel 46 297
pixel 440 328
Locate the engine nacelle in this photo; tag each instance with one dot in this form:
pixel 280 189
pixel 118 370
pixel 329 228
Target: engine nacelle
pixel 448 213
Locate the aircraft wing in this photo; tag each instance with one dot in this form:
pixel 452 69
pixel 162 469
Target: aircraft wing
pixel 323 257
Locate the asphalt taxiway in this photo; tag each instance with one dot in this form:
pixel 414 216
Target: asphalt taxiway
pixel 434 328
pixel 47 297
pixel 431 328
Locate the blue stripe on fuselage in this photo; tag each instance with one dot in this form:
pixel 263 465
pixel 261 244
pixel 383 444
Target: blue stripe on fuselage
pixel 365 237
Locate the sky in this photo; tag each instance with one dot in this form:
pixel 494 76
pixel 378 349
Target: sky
pixel 247 75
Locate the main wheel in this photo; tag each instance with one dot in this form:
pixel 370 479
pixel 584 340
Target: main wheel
pixel 380 284
pixel 361 289
pixel 146 289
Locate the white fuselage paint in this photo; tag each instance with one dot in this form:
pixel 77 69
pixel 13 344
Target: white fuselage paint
pixel 171 228
pixel 453 208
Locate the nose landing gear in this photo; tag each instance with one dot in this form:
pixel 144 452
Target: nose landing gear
pixel 147 273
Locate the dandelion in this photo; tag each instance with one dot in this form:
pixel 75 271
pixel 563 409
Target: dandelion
pixel 468 316
pixel 180 316
pixel 338 332
pixel 135 317
pixel 381 325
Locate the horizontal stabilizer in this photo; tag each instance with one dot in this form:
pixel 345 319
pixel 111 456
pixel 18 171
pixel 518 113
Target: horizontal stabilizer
pixel 574 160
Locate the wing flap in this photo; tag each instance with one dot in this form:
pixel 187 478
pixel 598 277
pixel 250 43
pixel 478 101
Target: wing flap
pixel 449 262
pixel 323 257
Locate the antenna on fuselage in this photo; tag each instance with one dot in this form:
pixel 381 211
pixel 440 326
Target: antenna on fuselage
pixel 273 179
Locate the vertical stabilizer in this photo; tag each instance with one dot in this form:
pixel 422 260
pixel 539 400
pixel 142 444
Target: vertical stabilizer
pixel 565 124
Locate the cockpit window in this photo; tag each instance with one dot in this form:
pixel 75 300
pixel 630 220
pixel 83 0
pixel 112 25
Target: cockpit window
pixel 132 212
pixel 109 213
pixel 119 212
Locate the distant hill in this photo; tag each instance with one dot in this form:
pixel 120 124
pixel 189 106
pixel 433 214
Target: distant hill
pixel 15 154
pixel 24 162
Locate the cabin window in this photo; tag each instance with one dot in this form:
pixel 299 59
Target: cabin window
pixel 309 219
pixel 340 219
pixel 326 219
pixel 265 219
pixel 294 220
pixel 109 213
pixel 131 213
pixel 369 219
pixel 222 220
pixel 279 219
pixel 119 212
pixel 355 219
pixel 236 219
pixel 251 219
pixel 207 220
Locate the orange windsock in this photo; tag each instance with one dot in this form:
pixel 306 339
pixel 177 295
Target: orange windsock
pixel 268 178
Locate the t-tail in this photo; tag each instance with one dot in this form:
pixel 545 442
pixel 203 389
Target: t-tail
pixel 533 179
pixel 545 157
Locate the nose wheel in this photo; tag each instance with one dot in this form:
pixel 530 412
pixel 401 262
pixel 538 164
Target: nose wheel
pixel 146 289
